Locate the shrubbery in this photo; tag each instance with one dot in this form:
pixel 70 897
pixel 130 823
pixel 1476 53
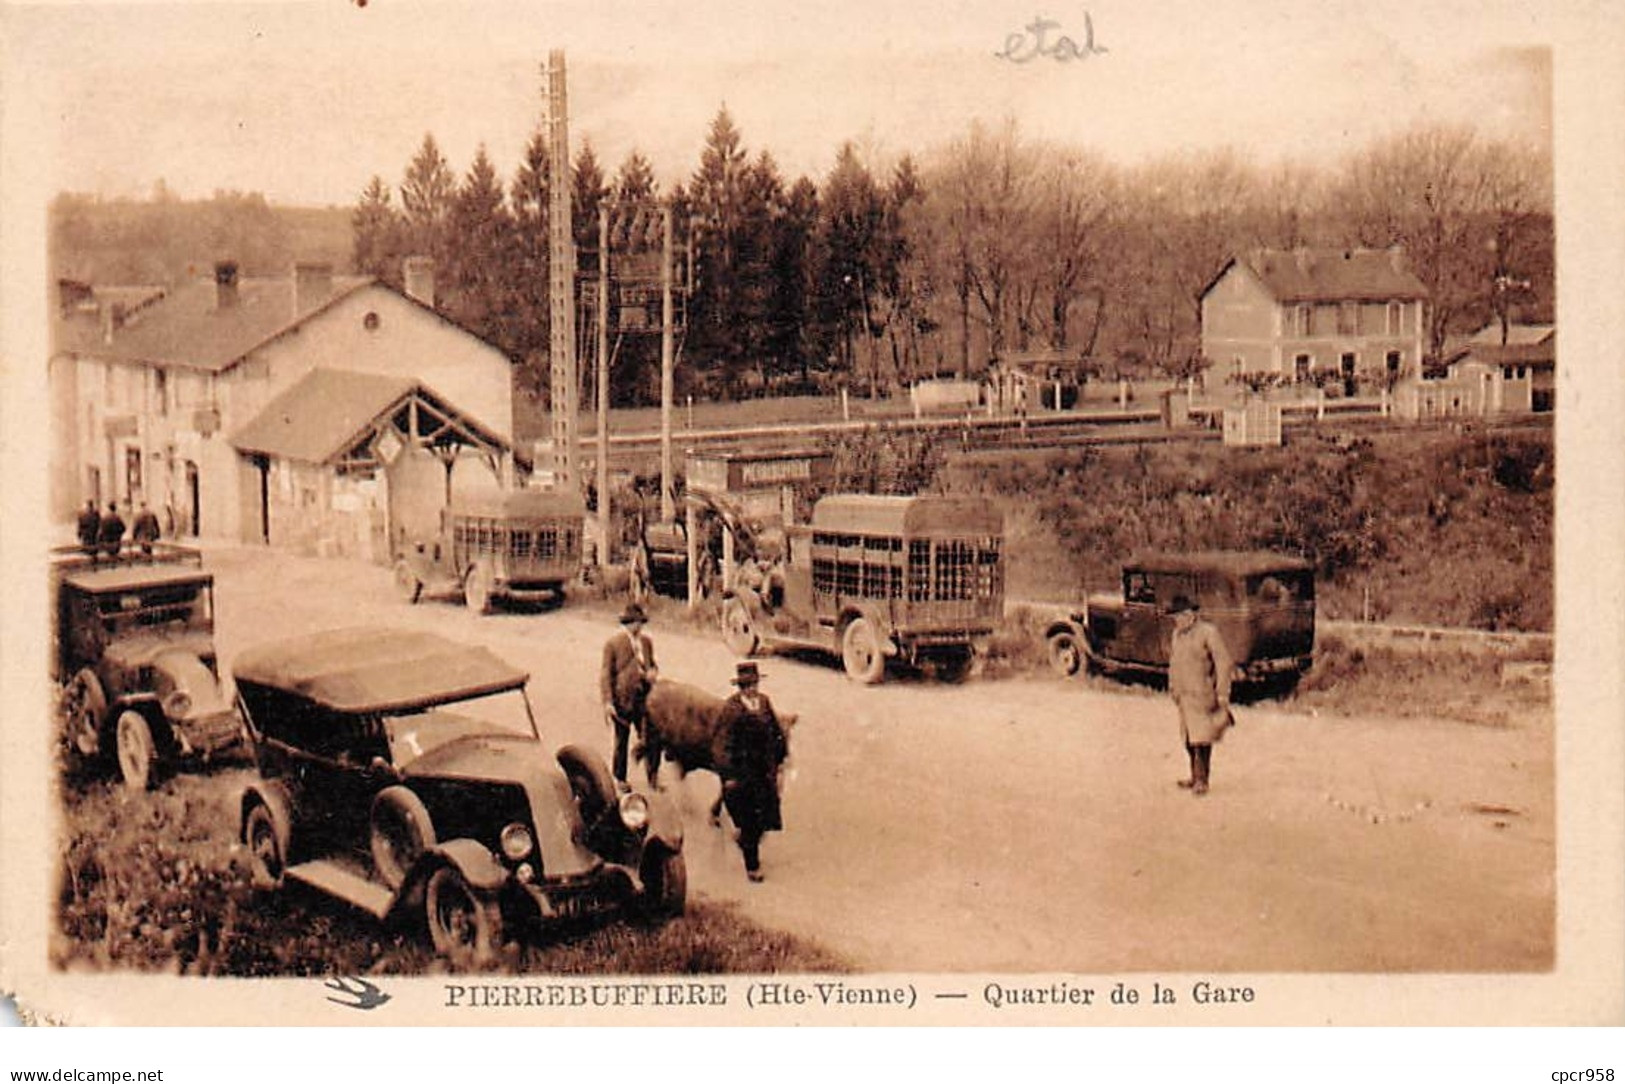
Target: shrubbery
pixel 1427 527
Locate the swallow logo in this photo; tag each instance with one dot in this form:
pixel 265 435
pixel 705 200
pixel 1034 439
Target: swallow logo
pixel 359 993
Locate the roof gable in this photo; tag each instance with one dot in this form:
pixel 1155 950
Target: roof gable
pixel 329 411
pixel 188 328
pixel 1357 274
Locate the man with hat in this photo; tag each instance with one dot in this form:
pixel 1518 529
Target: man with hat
pixel 753 748
pixel 1199 674
pixel 625 679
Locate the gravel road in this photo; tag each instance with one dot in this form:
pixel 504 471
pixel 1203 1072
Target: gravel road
pixel 1032 824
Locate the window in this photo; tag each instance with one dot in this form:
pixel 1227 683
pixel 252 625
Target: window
pixel 1301 366
pixel 1395 317
pixel 160 390
pixel 1346 323
pixel 371 321
pixel 1298 323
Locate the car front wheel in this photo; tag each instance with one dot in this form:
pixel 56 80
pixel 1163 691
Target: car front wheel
pixel 465 924
pixel 137 752
pixel 665 883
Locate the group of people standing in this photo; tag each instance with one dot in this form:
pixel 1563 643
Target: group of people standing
pixel 754 745
pixel 1200 672
pixel 101 533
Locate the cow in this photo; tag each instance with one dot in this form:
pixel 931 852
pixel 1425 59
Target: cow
pixel 681 723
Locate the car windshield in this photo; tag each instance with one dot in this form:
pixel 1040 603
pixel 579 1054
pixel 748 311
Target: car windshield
pixel 1281 587
pixel 414 734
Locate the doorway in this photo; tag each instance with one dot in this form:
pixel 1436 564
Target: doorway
pixel 1348 374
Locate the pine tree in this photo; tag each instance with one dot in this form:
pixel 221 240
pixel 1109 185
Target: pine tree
pixel 426 197
pixel 377 230
pixel 480 245
pixel 525 319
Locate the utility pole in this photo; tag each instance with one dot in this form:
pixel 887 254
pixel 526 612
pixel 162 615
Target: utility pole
pixel 603 384
pixel 668 510
pixel 561 284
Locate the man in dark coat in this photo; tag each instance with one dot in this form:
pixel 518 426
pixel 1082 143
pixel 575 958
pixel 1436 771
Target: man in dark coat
pixel 754 748
pixel 1199 676
pixel 624 680
pixel 145 529
pixel 90 528
pixel 110 532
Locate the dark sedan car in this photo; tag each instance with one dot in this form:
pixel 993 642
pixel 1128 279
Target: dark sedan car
pixel 401 770
pixel 1263 605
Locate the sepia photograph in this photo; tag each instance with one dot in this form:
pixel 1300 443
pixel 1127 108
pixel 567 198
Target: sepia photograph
pixel 849 514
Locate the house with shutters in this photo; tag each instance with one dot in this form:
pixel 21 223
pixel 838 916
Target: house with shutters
pixel 327 413
pixel 1348 315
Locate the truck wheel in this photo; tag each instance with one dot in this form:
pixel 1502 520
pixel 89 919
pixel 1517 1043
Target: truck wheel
pixel 401 833
pixel 465 924
pixel 861 653
pixel 1065 653
pixel 407 583
pixel 737 630
pixel 477 588
pixel 137 752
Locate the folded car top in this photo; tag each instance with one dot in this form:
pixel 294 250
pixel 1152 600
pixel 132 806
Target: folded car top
pixel 374 669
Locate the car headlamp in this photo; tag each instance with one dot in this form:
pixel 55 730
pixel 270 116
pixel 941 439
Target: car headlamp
pixel 634 811
pixel 517 841
pixel 177 704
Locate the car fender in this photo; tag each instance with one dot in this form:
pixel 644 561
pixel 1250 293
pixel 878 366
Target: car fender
pixel 478 865
pixel 1070 625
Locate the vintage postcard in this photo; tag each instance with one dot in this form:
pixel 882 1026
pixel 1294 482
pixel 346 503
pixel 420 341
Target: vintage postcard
pixel 846 514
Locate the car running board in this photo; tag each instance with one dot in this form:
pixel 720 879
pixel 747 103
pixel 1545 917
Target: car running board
pixel 334 879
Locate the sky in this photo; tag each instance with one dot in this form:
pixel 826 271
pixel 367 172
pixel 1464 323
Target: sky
pixel 305 102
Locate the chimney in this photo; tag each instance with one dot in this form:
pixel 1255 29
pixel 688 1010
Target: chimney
pixel 312 285
pixel 225 285
pixel 1396 258
pixel 420 279
pixel 1303 259
pixel 112 316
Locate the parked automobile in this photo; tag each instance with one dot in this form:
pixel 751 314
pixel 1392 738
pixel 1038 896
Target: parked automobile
pixel 523 545
pixel 405 774
pixel 1263 605
pixel 872 578
pixel 135 662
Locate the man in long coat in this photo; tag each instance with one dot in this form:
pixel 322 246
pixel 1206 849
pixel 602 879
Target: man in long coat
pixel 624 681
pixel 90 528
pixel 1199 675
pixel 110 531
pixel 754 748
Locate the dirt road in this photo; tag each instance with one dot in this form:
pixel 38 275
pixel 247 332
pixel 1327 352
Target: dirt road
pixel 1034 825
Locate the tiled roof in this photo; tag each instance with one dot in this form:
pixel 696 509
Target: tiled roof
pixel 187 328
pixel 1517 334
pixel 1358 274
pixel 321 415
pixel 329 410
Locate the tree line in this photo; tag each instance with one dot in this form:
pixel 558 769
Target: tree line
pixel 885 272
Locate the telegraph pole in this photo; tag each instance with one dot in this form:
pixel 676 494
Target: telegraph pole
pixel 603 384
pixel 668 511
pixel 561 284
